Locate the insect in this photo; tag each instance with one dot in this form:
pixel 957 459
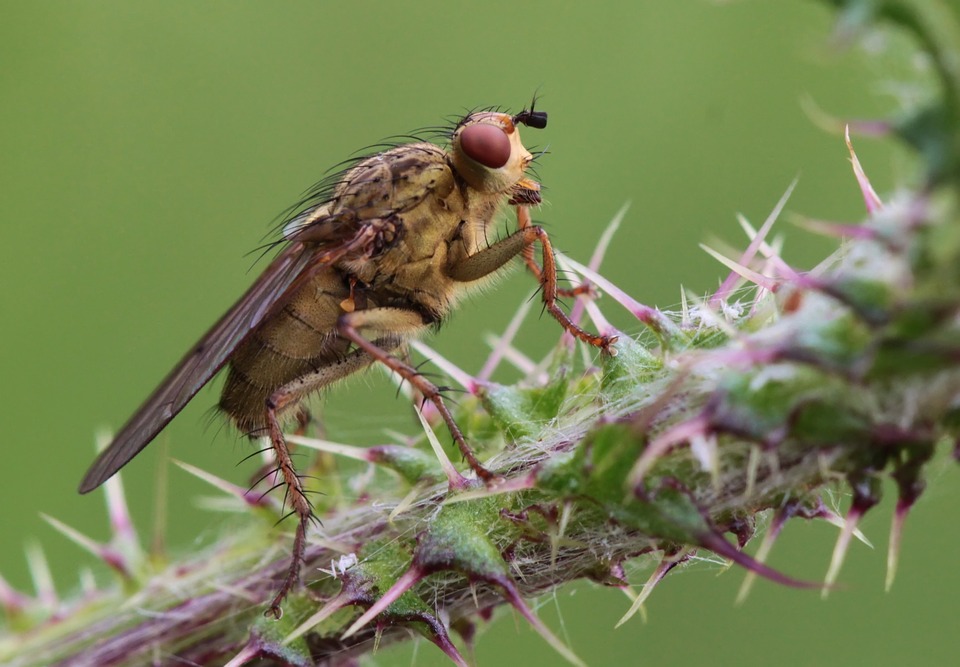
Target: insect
pixel 377 258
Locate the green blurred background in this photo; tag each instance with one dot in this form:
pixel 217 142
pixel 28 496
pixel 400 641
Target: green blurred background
pixel 147 146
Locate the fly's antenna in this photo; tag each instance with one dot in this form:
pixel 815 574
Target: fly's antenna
pixel 531 118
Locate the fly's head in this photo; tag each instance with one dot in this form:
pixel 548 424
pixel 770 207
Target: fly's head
pixel 486 151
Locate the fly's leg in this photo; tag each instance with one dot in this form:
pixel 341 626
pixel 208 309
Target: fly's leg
pixel 523 221
pixel 403 354
pixel 283 398
pixel 408 322
pixel 491 259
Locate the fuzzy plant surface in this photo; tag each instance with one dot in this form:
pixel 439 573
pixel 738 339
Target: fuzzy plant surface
pixel 777 389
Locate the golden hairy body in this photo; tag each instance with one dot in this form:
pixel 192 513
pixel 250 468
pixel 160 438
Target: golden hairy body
pixel 432 222
pixel 372 262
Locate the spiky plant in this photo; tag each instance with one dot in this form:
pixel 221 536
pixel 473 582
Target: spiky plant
pixel 747 401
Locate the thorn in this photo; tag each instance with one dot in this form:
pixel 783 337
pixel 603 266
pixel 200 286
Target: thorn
pixel 596 259
pixel 835 229
pixel 557 538
pixel 406 581
pixel 834 125
pixel 728 284
pixel 246 496
pixel 348 451
pixel 893 550
pixel 111 557
pixel 663 443
pixel 456 480
pixel 741 270
pixel 753 467
pixel 502 347
pixel 494 488
pixel 604 243
pixel 158 540
pixel 13 601
pixel 840 549
pixel 124 532
pixel 665 565
pixel 721 547
pixel 518 359
pixel 457 374
pixel 41 575
pixel 331 607
pixel 244 657
pixel 838 521
pixel 870 197
pixel 408 500
pixel 513 597
pixel 766 545
pixel 646 314
pixel 704 449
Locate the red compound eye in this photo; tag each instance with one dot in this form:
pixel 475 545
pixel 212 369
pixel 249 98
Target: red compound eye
pixel 487 144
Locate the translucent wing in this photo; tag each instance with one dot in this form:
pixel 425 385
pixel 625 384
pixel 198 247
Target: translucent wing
pixel 293 267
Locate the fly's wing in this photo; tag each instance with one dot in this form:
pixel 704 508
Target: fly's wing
pixel 204 360
pixel 356 220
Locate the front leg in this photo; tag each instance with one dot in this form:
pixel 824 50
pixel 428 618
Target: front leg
pixel 523 221
pixel 495 257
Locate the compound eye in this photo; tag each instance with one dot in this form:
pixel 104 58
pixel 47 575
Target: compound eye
pixel 486 144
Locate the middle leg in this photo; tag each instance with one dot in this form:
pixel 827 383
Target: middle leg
pixel 406 323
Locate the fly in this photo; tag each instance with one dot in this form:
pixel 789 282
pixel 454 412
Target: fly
pixel 374 261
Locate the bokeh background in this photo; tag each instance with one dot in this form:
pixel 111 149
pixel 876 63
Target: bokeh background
pixel 146 147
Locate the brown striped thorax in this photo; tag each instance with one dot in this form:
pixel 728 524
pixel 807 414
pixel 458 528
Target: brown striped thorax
pixel 373 258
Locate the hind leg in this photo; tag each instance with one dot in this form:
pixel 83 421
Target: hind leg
pixel 281 400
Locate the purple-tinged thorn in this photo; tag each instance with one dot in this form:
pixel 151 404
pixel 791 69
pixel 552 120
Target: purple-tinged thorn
pixel 594 264
pixel 457 374
pixel 511 485
pixel 111 557
pixel 124 532
pixel 664 442
pixel 407 580
pixel 662 569
pixel 441 638
pixel 740 270
pixel 896 533
pixel 835 125
pixel 715 543
pixel 840 549
pixel 836 229
pixel 835 519
pixel 870 198
pixel 13 601
pixel 457 481
pixel 766 546
pixel 339 449
pixel 260 650
pixel 726 288
pixel 600 251
pixel 42 577
pixel 650 316
pixel 513 597
pixel 520 361
pixel 245 656
pixel 502 347
pixel 326 611
pixel 249 497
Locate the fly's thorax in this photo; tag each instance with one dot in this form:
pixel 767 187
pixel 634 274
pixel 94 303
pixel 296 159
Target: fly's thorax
pixel 487 153
pixel 394 181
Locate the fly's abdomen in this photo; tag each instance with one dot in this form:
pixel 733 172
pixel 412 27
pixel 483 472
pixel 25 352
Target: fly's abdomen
pixel 298 340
